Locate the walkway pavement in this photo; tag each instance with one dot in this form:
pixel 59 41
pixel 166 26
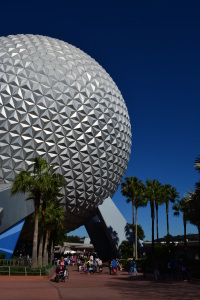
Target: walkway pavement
pixel 95 287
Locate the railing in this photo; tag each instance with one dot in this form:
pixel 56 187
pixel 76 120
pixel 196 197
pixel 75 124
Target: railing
pixel 50 270
pixel 25 271
pixel 11 270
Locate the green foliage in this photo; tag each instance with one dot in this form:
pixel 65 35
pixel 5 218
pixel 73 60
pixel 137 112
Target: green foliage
pixel 125 263
pixel 165 252
pixel 18 271
pixel 2 255
pixel 73 239
pixel 54 214
pixel 126 249
pixel 140 263
pixel 182 206
pixel 140 232
pixel 42 186
pixel 194 209
pixel 153 194
pixel 130 228
pixel 169 194
pixel 132 189
pixel 8 262
pixel 58 235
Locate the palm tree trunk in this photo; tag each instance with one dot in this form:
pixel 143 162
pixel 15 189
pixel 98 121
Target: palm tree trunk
pixel 52 252
pixel 157 219
pixel 42 235
pixel 35 234
pixel 136 254
pixel 152 224
pixel 45 257
pixel 167 213
pixel 40 250
pixel 184 225
pixel 133 227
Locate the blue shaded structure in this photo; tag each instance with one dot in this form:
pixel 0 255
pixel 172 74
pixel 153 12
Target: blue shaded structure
pixel 107 228
pixel 9 238
pixel 13 213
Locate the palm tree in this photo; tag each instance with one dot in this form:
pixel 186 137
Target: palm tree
pixel 197 163
pixel 140 201
pixel 169 194
pixel 35 183
pixel 51 192
pixel 182 206
pixel 195 203
pixel 158 201
pixel 32 183
pixel 57 237
pixel 152 193
pixel 55 215
pixel 132 189
pixel 194 210
pixel 44 198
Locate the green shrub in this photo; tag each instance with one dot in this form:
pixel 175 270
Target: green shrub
pixel 126 249
pixel 19 270
pixel 140 263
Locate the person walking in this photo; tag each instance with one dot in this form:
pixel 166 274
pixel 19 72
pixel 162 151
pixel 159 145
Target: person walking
pixel 130 268
pixel 78 263
pixel 100 265
pixel 114 266
pixel 88 266
pixel 135 268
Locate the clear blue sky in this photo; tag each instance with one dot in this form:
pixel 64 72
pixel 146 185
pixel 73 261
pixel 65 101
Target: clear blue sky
pixel 151 49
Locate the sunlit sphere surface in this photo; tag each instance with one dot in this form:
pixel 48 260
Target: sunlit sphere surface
pixel 58 103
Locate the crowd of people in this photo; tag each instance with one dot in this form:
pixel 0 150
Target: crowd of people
pixel 86 262
pixel 89 263
pixel 175 269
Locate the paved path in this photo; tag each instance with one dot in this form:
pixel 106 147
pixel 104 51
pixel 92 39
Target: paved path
pixel 95 286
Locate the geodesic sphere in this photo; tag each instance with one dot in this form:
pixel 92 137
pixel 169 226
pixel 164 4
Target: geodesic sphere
pixel 59 103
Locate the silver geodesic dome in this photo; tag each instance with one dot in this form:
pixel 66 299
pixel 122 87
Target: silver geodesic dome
pixel 59 103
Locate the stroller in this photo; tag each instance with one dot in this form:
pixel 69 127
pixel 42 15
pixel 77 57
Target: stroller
pixel 114 270
pixel 61 273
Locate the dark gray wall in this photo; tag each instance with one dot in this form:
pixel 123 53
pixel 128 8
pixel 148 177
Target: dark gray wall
pixel 15 209
pixel 107 230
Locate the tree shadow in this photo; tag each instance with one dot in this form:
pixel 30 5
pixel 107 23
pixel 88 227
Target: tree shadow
pixel 128 233
pixel 138 288
pixel 114 236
